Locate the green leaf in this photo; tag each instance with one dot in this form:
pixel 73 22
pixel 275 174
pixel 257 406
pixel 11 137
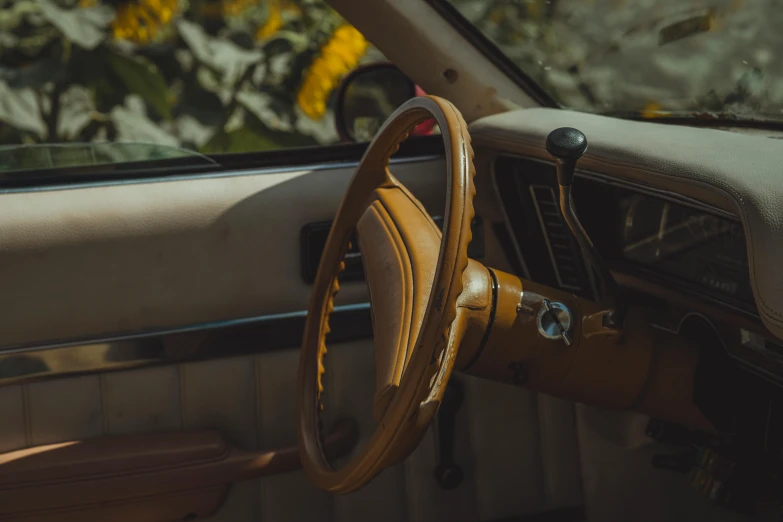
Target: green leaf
pixel 141 77
pixel 222 56
pixel 239 140
pixel 13 14
pixel 286 40
pixel 281 139
pixel 260 105
pixel 76 109
pixel 132 125
pixel 247 133
pixel 86 28
pixel 20 108
pixel 50 69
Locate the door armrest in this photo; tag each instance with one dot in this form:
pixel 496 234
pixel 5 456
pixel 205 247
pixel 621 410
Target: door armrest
pixel 152 477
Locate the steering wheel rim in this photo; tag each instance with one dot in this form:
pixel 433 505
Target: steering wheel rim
pixel 418 371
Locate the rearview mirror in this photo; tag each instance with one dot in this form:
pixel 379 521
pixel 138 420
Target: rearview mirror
pixel 367 97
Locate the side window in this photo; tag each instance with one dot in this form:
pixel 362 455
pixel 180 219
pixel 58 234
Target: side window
pixel 213 76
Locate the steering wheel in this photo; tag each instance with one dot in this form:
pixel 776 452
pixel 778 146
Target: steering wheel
pixel 414 276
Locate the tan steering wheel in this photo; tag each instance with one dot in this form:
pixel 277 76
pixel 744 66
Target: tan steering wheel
pixel 414 277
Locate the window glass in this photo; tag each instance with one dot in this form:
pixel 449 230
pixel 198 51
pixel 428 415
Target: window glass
pixel 644 58
pixel 212 76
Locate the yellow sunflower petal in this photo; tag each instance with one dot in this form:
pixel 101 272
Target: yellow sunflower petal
pixel 141 20
pixel 273 22
pixel 337 58
pixel 651 110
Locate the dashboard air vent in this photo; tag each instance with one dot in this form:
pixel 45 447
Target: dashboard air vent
pixel 557 237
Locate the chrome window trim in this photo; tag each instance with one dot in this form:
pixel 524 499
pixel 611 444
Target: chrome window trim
pixel 175 330
pixel 20 364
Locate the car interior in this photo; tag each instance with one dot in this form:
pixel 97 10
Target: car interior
pixel 450 281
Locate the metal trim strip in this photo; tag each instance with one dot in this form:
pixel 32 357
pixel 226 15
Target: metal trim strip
pixel 206 341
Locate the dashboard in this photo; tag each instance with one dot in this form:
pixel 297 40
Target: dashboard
pixel 684 262
pixel 684 259
pixel 695 249
pixel 677 212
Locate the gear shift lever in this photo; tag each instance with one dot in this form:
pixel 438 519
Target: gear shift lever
pixel 566 145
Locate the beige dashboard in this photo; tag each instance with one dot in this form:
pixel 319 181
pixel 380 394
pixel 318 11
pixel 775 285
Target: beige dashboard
pixel 732 173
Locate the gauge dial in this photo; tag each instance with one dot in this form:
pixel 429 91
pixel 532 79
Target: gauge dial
pixel 702 248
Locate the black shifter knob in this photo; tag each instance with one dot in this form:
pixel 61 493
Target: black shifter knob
pixel 566 145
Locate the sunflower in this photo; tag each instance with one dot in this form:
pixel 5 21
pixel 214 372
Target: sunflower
pixel 278 11
pixel 235 7
pixel 139 21
pixel 337 58
pixel 274 21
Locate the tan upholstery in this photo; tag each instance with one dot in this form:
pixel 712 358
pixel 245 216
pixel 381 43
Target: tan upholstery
pixel 539 473
pixel 151 233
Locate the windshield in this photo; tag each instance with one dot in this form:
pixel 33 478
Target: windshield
pixel 644 57
pixel 175 78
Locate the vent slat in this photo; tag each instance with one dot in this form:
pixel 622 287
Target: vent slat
pixel 561 250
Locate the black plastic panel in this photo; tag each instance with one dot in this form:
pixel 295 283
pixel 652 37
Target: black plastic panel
pixel 313 241
pixel 519 181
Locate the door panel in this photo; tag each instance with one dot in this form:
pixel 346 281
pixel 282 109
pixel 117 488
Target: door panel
pixel 63 410
pixel 130 408
pixel 252 400
pixel 88 263
pixel 136 257
pixel 13 413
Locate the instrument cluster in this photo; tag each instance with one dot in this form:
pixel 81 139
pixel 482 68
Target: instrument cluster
pixel 702 249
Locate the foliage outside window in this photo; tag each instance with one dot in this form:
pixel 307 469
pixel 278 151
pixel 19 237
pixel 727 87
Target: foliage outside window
pixel 651 58
pixel 214 76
